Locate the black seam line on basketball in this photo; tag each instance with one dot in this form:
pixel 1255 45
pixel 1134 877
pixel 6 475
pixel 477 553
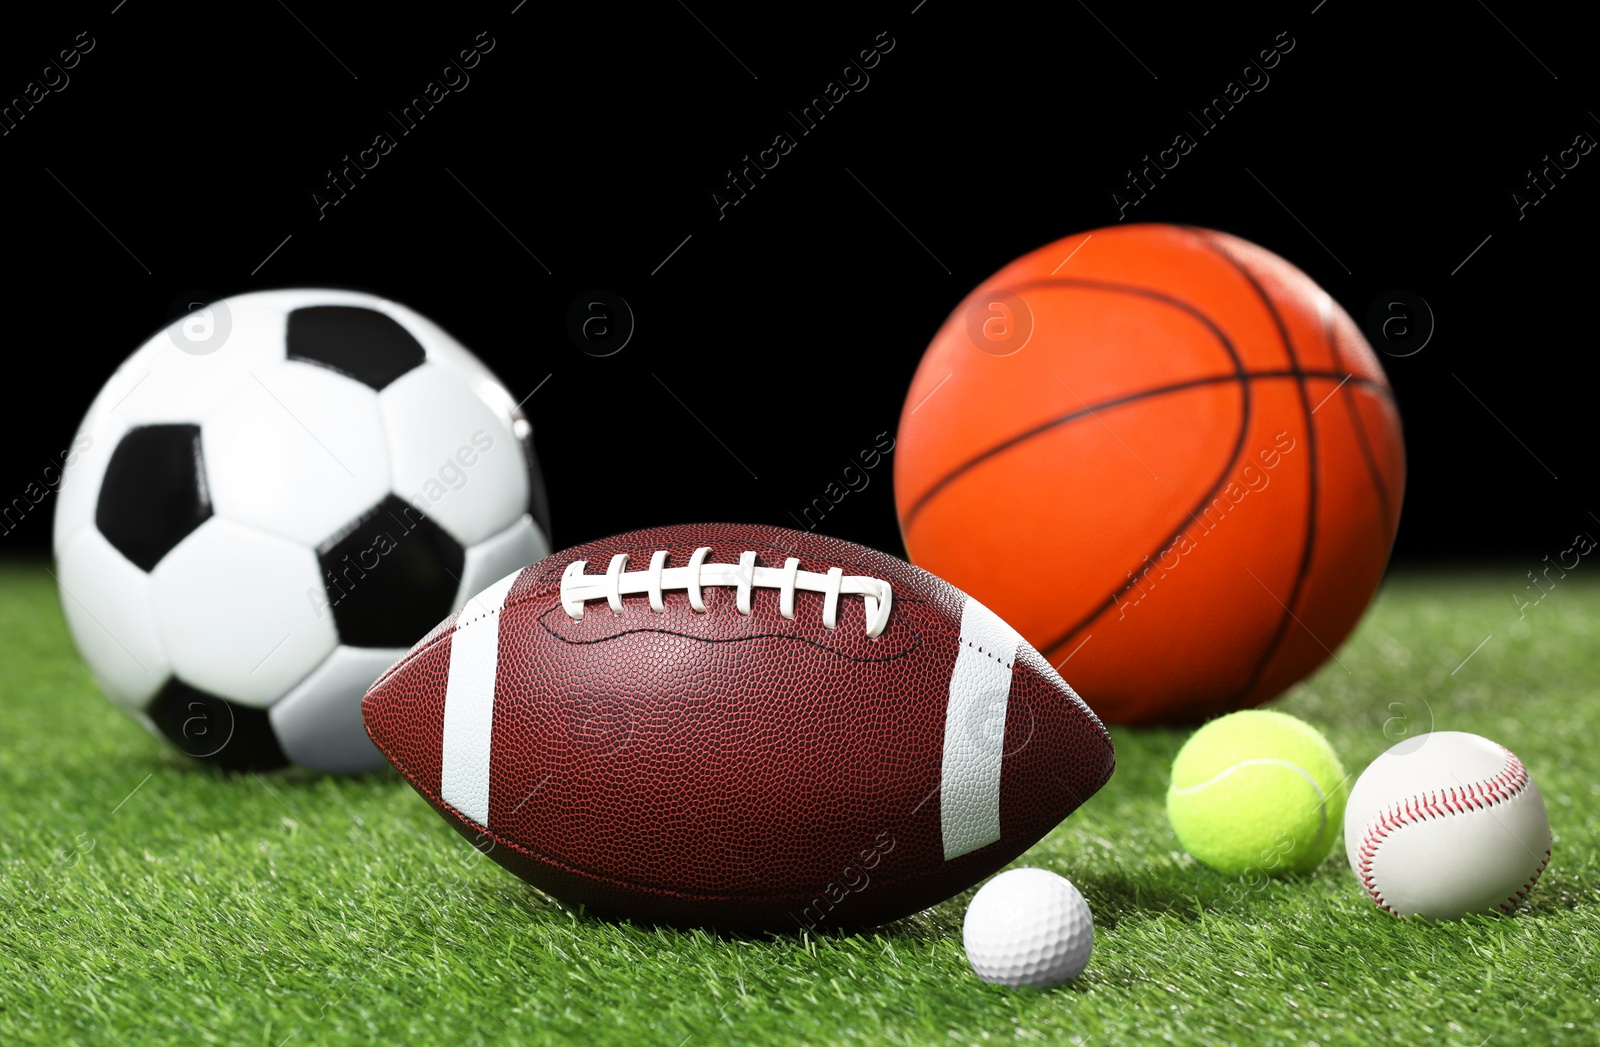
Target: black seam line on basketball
pixel 1144 394
pixel 1244 382
pixel 1242 377
pixel 1357 423
pixel 1098 285
pixel 1304 571
pixel 1118 401
pixel 1379 488
pixel 1110 602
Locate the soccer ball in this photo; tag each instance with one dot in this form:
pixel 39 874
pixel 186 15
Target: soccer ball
pixel 269 502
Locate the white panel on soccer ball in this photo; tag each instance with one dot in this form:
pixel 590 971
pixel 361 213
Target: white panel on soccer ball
pixel 498 555
pixel 454 457
pixel 184 370
pixel 177 376
pixel 442 348
pixel 318 724
pixel 242 613
pixel 300 452
pixel 106 600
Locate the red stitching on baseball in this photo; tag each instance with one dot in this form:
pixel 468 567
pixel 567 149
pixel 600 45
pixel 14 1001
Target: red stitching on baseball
pixel 1522 892
pixel 1497 790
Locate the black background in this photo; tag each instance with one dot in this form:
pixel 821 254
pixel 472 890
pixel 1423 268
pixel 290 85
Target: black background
pixel 779 340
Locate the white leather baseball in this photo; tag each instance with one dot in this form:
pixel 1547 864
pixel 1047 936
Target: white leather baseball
pixel 1446 824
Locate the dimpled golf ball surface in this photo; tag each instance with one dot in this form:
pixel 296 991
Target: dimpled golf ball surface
pixel 1028 927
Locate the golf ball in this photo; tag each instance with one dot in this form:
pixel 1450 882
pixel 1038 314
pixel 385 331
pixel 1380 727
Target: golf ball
pixel 1028 927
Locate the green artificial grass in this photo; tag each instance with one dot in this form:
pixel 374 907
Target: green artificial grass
pixel 143 900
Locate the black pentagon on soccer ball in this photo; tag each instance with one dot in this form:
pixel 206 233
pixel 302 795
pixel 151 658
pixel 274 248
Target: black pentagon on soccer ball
pixel 359 343
pixel 216 731
pixel 391 576
pixel 153 493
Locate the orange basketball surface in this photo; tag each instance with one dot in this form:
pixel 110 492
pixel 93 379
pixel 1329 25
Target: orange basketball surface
pixel 1166 457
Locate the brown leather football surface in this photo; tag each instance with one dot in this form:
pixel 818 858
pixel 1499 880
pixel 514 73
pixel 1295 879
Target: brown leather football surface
pixel 748 772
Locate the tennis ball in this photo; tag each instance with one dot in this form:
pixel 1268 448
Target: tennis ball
pixel 1257 791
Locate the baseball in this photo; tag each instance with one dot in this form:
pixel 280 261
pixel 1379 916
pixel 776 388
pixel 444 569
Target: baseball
pixel 1446 824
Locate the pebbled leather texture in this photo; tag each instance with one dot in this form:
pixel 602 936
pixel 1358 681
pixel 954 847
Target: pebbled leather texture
pixel 746 773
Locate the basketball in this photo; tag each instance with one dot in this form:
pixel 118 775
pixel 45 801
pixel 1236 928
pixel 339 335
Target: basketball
pixel 1166 457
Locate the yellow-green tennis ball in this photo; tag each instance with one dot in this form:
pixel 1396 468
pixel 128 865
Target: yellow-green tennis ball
pixel 1257 791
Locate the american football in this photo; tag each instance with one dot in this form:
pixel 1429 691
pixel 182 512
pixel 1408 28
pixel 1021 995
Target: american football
pixel 740 727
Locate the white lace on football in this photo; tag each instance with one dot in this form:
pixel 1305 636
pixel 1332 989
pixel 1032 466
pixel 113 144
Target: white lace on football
pixel 578 588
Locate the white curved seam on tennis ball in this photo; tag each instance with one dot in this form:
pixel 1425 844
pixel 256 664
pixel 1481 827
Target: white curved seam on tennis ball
pixel 1322 801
